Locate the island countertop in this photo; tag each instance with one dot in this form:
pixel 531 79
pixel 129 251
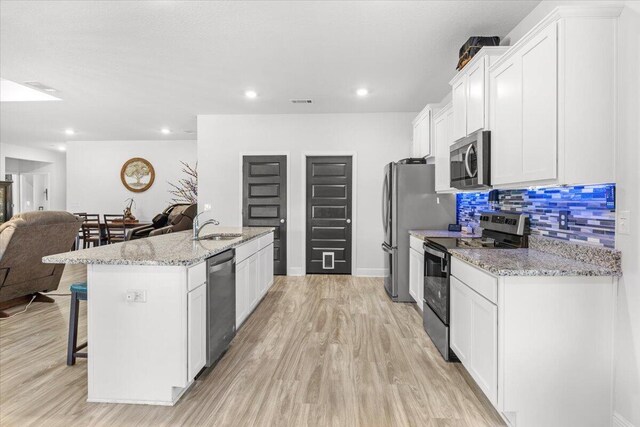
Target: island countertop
pixel 172 249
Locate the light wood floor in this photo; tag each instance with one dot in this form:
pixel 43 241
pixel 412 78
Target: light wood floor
pixel 318 351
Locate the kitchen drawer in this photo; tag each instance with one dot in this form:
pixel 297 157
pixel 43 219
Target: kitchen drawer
pixel 245 251
pixel 196 275
pixel 416 243
pixel 266 240
pixel 483 283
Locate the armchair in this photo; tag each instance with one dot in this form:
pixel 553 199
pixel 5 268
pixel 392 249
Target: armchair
pixel 24 240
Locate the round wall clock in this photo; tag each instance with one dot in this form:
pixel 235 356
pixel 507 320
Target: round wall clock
pixel 137 175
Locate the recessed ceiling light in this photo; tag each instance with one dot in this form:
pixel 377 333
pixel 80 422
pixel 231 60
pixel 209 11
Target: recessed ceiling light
pixel 165 131
pixel 251 94
pixel 62 148
pixel 70 131
pixel 15 92
pixel 362 91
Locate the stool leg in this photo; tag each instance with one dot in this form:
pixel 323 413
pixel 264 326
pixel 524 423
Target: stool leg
pixel 73 329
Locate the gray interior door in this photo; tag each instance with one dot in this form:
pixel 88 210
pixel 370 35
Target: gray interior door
pixel 264 201
pixel 329 210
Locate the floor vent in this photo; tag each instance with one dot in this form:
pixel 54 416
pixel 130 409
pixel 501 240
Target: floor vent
pixel 301 101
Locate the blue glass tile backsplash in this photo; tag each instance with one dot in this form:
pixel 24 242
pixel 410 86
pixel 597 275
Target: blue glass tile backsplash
pixel 591 211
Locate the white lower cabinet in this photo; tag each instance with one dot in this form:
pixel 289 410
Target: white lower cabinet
pixel 254 277
pixel 460 320
pixel 542 351
pixel 416 270
pixel 474 336
pixel 197 330
pixel 484 345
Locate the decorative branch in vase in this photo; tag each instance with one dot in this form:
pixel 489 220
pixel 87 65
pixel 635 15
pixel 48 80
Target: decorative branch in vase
pixel 186 189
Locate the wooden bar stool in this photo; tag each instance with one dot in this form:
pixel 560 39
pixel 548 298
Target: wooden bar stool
pixel 78 293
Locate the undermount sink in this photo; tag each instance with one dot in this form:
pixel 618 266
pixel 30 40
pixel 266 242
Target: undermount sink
pixel 220 236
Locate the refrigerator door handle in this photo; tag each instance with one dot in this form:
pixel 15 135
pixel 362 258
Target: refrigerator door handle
pixel 385 198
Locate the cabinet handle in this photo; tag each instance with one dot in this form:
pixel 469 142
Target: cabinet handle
pixel 281 220
pixel 348 221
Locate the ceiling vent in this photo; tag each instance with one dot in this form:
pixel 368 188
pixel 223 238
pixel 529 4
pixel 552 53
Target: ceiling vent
pixel 301 101
pixel 41 87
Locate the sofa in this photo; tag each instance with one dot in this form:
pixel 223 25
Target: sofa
pixel 24 240
pixel 178 217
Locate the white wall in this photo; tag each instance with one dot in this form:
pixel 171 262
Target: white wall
pixel 93 174
pixel 627 377
pixel 376 139
pixel 627 346
pixel 56 168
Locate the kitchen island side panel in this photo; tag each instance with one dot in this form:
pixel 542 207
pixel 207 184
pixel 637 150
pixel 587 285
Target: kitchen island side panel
pixel 137 351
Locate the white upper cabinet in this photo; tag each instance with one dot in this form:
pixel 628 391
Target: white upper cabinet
pixel 442 139
pixel 469 93
pixel 552 105
pixel 423 133
pixel 459 100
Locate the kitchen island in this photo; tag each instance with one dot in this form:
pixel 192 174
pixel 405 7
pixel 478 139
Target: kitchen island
pixel 147 308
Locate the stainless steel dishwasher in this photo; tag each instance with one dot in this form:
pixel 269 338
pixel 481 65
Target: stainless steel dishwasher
pixel 221 304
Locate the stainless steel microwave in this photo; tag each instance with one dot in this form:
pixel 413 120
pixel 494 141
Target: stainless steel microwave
pixel 470 162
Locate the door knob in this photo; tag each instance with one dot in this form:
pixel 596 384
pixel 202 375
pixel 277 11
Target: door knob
pixel 281 220
pixel 348 221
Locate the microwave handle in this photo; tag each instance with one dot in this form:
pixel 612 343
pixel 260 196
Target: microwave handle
pixel 466 162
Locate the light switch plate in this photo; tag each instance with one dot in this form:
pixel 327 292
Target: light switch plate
pixel 624 222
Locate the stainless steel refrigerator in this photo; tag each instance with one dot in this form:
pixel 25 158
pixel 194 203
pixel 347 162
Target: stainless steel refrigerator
pixel 409 202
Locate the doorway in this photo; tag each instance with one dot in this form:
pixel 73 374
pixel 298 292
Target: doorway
pixel 34 192
pixel 264 201
pixel 329 211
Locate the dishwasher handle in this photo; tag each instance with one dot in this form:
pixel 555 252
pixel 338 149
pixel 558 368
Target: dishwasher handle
pixel 222 266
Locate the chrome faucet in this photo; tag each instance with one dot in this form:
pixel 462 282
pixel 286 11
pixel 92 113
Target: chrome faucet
pixel 197 226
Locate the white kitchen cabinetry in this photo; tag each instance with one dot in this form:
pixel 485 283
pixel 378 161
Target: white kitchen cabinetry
pixel 469 89
pixel 539 347
pixel 423 132
pixel 254 275
pixel 552 105
pixel 416 270
pixel 197 329
pixel 442 139
pixel 474 336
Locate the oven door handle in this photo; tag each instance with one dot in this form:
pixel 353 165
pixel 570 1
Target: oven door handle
pixel 434 252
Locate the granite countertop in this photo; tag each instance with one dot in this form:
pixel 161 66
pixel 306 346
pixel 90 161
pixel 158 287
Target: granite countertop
pixel 424 234
pixel 173 249
pixel 545 257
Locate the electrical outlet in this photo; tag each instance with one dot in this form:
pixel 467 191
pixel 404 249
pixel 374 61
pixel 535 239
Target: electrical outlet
pixel 563 220
pixel 136 296
pixel 624 220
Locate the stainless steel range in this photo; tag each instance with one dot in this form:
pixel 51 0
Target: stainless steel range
pixel 500 230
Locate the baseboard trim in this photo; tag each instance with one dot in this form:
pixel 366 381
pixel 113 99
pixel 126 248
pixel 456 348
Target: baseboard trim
pixel 294 271
pixel 369 272
pixel 620 421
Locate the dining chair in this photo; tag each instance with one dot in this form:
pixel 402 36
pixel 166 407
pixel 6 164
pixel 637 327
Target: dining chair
pixel 80 235
pixel 91 231
pixel 116 228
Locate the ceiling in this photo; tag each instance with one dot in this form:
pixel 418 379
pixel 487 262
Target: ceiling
pixel 125 69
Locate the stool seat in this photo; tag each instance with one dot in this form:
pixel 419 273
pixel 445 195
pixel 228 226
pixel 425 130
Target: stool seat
pixel 79 287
